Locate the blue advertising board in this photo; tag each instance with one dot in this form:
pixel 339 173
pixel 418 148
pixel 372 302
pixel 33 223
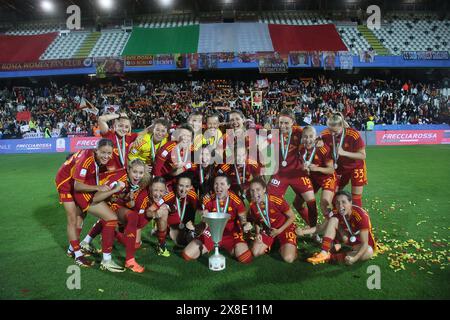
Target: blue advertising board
pixel 51 145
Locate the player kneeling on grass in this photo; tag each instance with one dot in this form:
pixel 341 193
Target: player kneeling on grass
pixel 179 222
pixel 352 224
pixel 129 204
pixel 223 201
pixel 274 220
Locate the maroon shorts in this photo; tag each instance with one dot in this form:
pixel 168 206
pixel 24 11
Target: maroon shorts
pixel 357 176
pixel 83 200
pixel 229 239
pixel 173 219
pixel 65 190
pixel 279 184
pixel 287 236
pixel 325 183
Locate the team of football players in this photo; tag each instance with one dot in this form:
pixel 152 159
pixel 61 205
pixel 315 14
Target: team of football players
pixel 173 176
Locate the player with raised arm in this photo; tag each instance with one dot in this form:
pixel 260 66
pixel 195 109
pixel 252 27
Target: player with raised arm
pixel 147 145
pixel 121 137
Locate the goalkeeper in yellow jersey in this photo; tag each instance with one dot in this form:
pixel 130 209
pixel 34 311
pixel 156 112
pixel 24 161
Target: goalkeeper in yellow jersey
pixel 148 143
pixel 212 133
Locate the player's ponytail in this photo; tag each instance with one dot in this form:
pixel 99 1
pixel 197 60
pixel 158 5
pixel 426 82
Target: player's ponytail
pixel 337 119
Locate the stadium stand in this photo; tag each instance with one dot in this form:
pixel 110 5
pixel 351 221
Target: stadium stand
pixel 293 18
pixel 167 21
pixel 109 44
pixel 353 39
pixel 65 45
pixel 414 32
pixel 33 28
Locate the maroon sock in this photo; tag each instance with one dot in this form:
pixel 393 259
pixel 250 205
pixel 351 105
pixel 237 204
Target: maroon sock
pixel 75 245
pixel 304 214
pixel 79 232
pixel 301 210
pixel 161 237
pixel 130 234
pixel 142 221
pixel 96 229
pixel 327 243
pixel 312 213
pixel 119 237
pixel 338 257
pixel 108 235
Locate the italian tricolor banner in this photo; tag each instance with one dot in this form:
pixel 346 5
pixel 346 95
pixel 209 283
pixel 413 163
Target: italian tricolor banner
pixel 233 37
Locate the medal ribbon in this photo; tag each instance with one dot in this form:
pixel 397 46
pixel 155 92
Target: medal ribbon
pixel 179 208
pixel 179 155
pixel 121 150
pixel 238 176
pixel 202 175
pixel 310 158
pixel 219 209
pixel 285 149
pixel 152 144
pixel 335 152
pixel 265 214
pixel 96 172
pixel 348 226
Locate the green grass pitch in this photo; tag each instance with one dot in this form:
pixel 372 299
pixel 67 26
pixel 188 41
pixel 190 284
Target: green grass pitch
pixel 407 199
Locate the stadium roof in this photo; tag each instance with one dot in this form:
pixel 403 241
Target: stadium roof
pixel 26 10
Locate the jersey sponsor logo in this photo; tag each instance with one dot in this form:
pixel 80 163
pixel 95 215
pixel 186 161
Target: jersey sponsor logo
pixel 275 182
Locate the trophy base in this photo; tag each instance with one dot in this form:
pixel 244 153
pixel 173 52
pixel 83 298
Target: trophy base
pixel 216 262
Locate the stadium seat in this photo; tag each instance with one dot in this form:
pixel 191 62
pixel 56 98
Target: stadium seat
pixel 65 46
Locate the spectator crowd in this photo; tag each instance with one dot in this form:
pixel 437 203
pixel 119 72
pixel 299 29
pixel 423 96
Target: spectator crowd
pixel 62 110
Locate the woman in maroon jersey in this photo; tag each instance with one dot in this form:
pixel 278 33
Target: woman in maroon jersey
pixel 121 137
pixel 349 154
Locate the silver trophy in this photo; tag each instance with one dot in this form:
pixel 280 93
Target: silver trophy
pixel 216 222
